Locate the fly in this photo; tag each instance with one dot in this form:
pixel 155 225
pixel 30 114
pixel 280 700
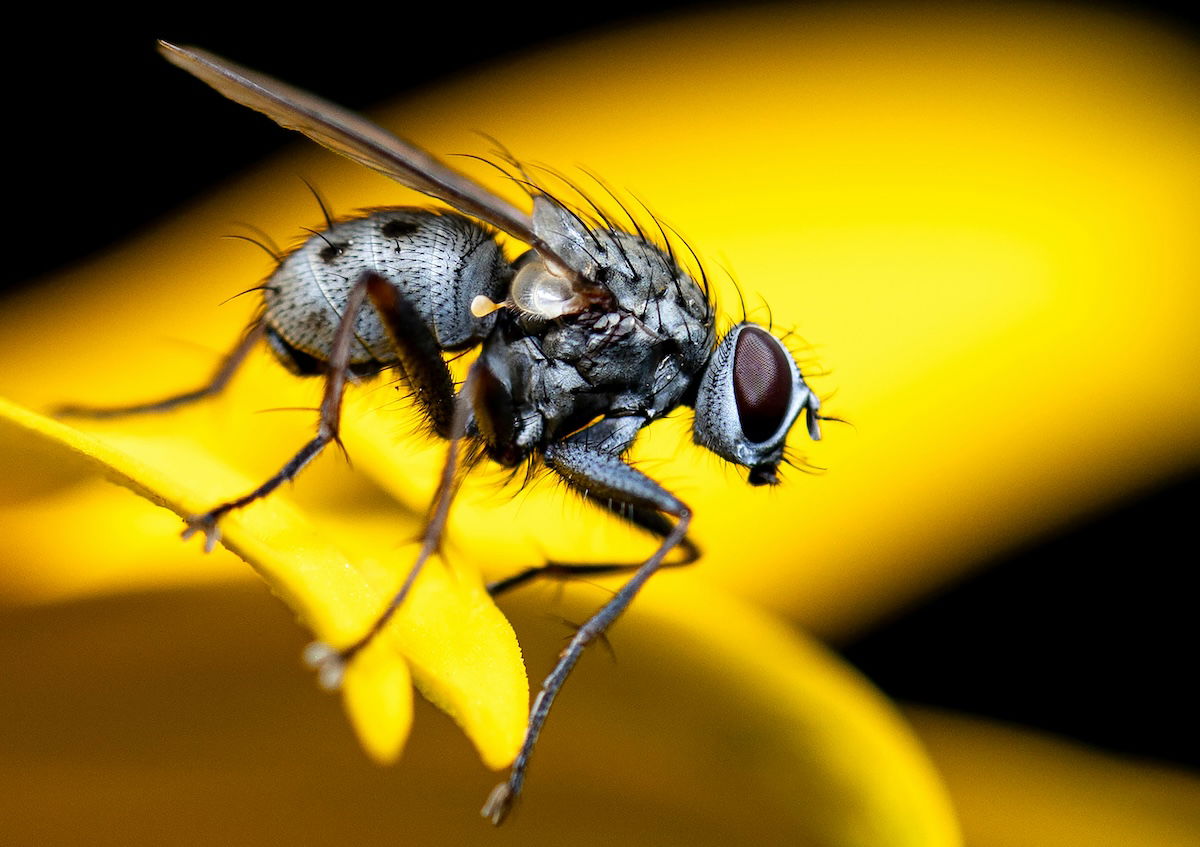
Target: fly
pixel 590 335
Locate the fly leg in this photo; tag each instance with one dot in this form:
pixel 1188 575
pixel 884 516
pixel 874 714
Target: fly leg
pixel 600 475
pixel 220 378
pixel 330 662
pixel 418 355
pixel 650 521
pixel 327 427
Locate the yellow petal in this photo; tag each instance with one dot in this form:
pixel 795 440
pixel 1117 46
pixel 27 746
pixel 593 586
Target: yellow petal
pixel 1018 788
pixel 377 691
pixel 714 726
pixel 335 595
pixel 128 544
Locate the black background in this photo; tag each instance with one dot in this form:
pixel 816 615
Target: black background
pixel 1090 634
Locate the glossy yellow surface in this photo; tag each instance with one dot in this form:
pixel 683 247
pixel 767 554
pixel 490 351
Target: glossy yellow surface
pixel 460 648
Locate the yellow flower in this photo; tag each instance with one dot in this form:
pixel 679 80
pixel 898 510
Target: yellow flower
pixel 983 226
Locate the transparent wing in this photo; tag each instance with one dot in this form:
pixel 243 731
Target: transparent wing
pixel 355 137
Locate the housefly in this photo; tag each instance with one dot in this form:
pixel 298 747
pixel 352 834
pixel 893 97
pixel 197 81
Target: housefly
pixel 591 334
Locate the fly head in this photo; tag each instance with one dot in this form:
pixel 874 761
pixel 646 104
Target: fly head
pixel 749 397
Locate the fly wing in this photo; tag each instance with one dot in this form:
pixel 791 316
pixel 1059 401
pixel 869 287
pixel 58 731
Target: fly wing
pixel 353 136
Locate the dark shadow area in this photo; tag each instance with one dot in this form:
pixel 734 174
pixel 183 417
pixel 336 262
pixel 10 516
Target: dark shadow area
pixel 91 105
pixel 1091 634
pixel 92 108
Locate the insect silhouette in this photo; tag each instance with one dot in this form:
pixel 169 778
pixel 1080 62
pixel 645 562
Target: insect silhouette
pixel 587 337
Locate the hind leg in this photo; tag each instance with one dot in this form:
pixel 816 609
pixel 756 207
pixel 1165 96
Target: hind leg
pixel 327 426
pixel 419 357
pixel 224 373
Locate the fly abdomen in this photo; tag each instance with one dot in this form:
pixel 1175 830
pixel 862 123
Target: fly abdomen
pixel 438 262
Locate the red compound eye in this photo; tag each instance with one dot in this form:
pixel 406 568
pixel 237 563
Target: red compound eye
pixel 762 383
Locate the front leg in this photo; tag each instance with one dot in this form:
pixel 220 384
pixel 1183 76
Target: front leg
pixel 611 437
pixel 601 476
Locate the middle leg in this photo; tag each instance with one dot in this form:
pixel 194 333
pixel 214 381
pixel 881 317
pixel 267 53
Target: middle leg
pixel 602 475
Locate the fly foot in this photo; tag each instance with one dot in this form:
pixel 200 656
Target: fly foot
pixel 328 662
pixel 206 523
pixel 499 803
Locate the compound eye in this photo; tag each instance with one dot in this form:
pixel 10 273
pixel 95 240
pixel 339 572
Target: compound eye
pixel 762 383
